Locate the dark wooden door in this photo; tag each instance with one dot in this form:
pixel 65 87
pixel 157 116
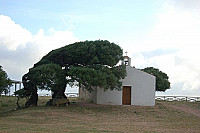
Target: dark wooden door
pixel 126 95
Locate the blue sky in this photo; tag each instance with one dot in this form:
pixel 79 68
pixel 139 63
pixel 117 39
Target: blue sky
pixel 163 34
pixel 86 18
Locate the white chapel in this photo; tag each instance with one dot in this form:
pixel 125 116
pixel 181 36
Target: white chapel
pixel 138 88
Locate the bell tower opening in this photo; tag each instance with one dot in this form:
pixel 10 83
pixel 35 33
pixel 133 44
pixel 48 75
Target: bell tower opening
pixel 127 60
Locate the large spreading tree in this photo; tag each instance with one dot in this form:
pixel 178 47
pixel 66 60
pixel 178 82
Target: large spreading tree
pixel 5 82
pixel 162 80
pixel 90 63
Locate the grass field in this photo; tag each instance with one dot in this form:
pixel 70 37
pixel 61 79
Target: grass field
pixel 83 117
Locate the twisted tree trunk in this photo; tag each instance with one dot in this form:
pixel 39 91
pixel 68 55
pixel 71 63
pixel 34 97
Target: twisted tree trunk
pixel 33 100
pixel 58 94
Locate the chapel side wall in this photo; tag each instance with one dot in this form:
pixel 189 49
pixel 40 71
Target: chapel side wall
pixel 109 97
pixel 142 87
pixel 88 96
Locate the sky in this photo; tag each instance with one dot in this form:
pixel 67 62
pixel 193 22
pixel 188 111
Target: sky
pixel 162 34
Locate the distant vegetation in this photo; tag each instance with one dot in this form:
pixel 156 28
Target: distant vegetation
pixel 162 80
pixel 5 82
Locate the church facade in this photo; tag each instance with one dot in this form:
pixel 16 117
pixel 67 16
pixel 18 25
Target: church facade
pixel 138 88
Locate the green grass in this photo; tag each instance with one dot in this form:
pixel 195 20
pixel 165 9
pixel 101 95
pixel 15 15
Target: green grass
pixel 81 117
pixel 8 103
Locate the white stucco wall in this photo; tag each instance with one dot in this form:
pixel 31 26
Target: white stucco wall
pixel 109 97
pixel 142 89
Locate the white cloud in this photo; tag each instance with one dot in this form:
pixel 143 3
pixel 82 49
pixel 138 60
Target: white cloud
pixel 55 40
pixel 12 35
pixel 176 28
pixel 185 4
pixel 20 50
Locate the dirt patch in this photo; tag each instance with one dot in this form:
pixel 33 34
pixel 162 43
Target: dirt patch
pixel 185 108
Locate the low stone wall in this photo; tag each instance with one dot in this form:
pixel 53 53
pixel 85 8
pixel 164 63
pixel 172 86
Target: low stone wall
pixel 88 96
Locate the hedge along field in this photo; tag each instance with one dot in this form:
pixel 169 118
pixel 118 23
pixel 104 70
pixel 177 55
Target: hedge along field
pixel 87 117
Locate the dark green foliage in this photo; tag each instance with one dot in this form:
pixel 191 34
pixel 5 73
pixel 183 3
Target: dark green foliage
pixel 21 94
pixel 90 63
pixel 5 82
pixel 98 75
pixel 47 76
pixel 162 82
pixel 85 53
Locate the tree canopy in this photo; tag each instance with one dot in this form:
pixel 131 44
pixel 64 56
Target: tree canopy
pixel 45 77
pixel 162 80
pixel 5 82
pixel 90 63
